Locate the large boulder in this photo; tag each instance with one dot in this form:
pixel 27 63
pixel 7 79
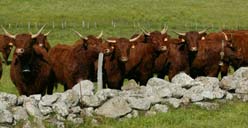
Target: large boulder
pixel 139 103
pixel 183 80
pixel 61 108
pixel 31 105
pixel 84 88
pixel 114 108
pixel 241 73
pixel 6 117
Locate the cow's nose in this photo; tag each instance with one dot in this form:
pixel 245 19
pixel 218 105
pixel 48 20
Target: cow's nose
pixel 19 50
pixel 106 51
pixel 41 45
pixel 194 49
pixel 163 48
pixel 124 59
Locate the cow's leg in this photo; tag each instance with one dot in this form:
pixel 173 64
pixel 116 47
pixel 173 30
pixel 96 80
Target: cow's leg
pixel 224 70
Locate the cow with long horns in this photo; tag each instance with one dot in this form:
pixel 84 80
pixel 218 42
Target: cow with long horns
pixel 114 64
pixel 73 63
pixel 6 45
pixel 30 70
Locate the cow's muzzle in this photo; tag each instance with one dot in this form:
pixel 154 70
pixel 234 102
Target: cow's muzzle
pixel 26 69
pixel 163 48
pixel 19 51
pixel 194 49
pixel 124 59
pixel 106 51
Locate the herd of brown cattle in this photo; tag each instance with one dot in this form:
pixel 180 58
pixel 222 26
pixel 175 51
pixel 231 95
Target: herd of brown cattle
pixel 38 68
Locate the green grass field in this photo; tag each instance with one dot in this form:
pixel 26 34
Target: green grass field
pixel 123 18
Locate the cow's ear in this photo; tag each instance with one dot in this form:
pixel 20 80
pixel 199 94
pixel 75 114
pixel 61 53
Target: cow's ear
pixel 85 44
pixel 34 40
pixel 203 36
pixel 182 38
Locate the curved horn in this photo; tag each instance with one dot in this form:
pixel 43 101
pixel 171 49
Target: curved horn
pixel 145 32
pixel 111 41
pixel 200 32
pixel 7 33
pixel 100 35
pixel 46 34
pixel 134 39
pixel 80 35
pixel 226 38
pixel 164 30
pixel 180 33
pixel 38 33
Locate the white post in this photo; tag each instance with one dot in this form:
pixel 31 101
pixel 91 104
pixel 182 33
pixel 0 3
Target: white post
pixel 99 72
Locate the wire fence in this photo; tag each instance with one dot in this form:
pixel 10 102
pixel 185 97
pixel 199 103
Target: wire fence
pixel 116 24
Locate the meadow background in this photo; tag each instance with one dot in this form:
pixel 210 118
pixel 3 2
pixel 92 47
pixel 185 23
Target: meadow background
pixel 123 18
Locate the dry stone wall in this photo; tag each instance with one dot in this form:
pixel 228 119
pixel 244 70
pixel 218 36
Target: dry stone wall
pixel 83 101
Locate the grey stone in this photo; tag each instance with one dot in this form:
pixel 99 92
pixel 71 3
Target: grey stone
pixel 48 100
pixel 157 82
pixel 164 92
pixel 60 124
pixel 139 103
pixel 114 108
pixel 19 113
pixel 75 110
pixel 130 85
pixel 209 83
pixel 84 88
pixel 3 105
pixel 229 96
pixel 87 112
pixel 133 114
pixel 172 101
pixel 183 80
pixel 73 118
pixel 32 108
pixel 107 93
pixel 11 99
pixel 207 105
pixel 245 98
pixel 70 97
pixel 160 108
pixel 20 100
pixel 219 94
pixel 45 110
pixel 92 100
pixel 27 124
pixel 194 93
pixel 242 86
pixel 241 73
pixel 150 113
pixel 37 97
pixel 61 108
pixel 177 91
pixel 60 118
pixel 208 95
pixel 228 83
pixel 6 117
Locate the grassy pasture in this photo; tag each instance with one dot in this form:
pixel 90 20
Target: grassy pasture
pixel 123 18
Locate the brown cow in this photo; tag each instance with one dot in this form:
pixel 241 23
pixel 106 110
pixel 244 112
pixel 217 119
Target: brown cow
pixel 43 42
pixel 6 44
pixel 173 61
pixel 1 68
pixel 210 57
pixel 140 66
pixel 240 43
pixel 114 64
pixel 30 70
pixel 72 64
